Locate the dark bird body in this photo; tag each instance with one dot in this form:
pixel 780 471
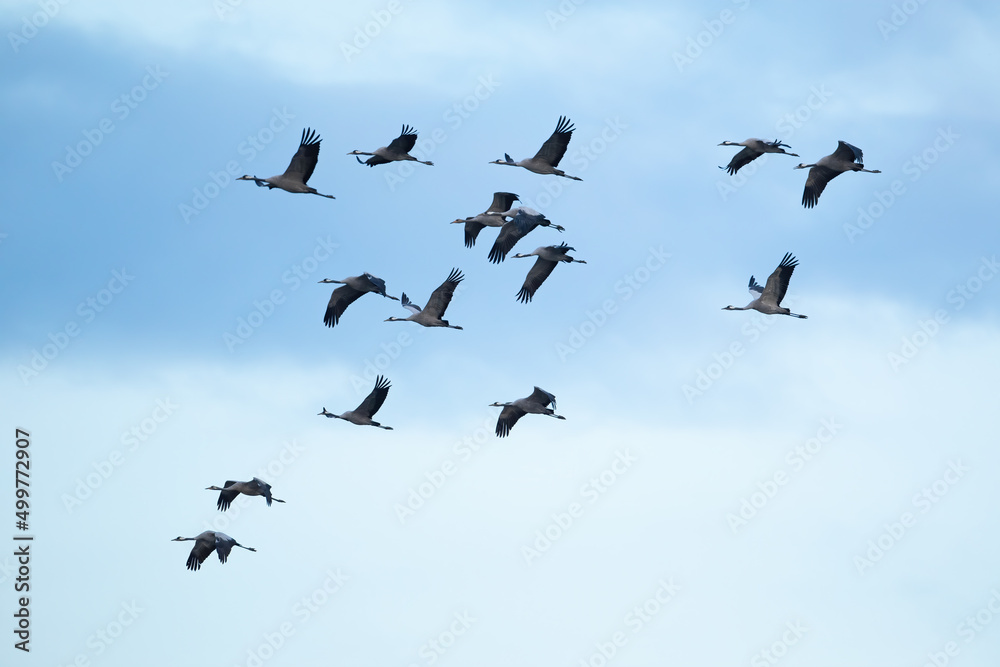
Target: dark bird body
pixel 548 156
pixel 548 258
pixel 353 289
pixel 536 404
pixel 362 416
pixel 767 299
pixel 523 221
pixel 299 169
pixel 397 150
pixel 431 314
pixel 493 217
pixel 845 158
pixel 206 543
pixel 753 149
pixel 255 487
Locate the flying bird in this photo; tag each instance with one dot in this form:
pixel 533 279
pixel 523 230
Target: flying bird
pixel 767 299
pixel 362 416
pixel 431 315
pixel 255 487
pixel 548 156
pixel 353 289
pixel 536 404
pixel 206 543
pixel 524 220
pixel 845 158
pixel 398 149
pixel 548 257
pixel 299 169
pixel 753 149
pixel 493 217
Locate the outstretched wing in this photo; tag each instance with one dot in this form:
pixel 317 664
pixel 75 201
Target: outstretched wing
pixel 472 229
pixel 201 550
pixel 848 153
pixel 441 297
pixel 816 183
pixel 376 398
pixel 223 547
pixel 379 285
pixel 409 305
pixel 405 141
pixel 555 146
pixel 756 289
pixel 540 270
pixel 513 231
pixel 777 282
pixel 543 397
pixel 263 488
pixel 374 160
pixel 502 201
pixel 742 159
pixel 510 233
pixel 341 298
pixel 226 497
pixel 508 417
pixel 304 161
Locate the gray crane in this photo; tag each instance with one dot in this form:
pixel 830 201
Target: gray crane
pixel 548 257
pixel 535 404
pixel 362 416
pixel 767 299
pixel 431 314
pixel 753 149
pixel 845 158
pixel 206 543
pixel 548 156
pixel 524 220
pixel 493 217
pixel 255 487
pixel 299 169
pixel 398 149
pixel 353 289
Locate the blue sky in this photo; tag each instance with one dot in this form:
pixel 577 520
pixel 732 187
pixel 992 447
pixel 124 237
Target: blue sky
pixel 727 488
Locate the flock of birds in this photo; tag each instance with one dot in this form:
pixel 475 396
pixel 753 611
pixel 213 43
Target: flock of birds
pixel 514 224
pixel 213 540
pixel 845 158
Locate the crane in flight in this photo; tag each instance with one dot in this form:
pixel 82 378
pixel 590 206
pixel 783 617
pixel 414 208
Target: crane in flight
pixel 255 487
pixel 753 149
pixel 535 404
pixel 523 220
pixel 206 543
pixel 398 149
pixel 353 289
pixel 767 299
pixel 548 156
pixel 548 257
pixel 493 217
pixel 845 158
pixel 362 415
pixel 431 314
pixel 299 169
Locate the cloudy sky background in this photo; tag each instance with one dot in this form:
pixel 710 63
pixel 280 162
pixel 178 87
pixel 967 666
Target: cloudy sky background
pixel 133 266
